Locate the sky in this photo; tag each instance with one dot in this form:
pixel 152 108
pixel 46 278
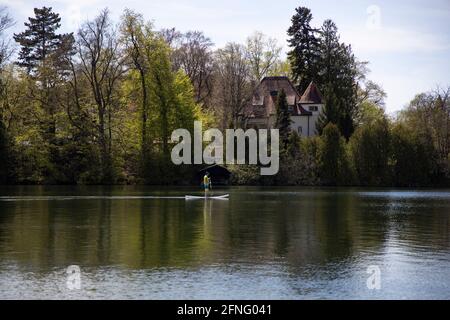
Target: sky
pixel 407 43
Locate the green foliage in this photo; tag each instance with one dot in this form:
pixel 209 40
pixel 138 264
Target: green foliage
pixel 39 42
pixel 428 115
pixel 370 153
pixel 245 174
pixel 43 54
pixel 310 149
pixel 319 56
pixel 368 112
pixel 338 72
pixel 106 114
pixel 166 99
pixel 334 165
pixel 5 154
pixel 304 45
pixel 330 110
pixel 283 119
pixel 413 158
pixel 281 68
pixel 297 167
pixel 31 157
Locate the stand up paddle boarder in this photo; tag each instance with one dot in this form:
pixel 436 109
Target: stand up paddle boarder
pixel 206 183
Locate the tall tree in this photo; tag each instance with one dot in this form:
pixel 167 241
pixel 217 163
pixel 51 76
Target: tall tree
pixel 166 95
pixel 5 53
pixel 337 79
pixel 135 35
pixel 41 55
pixel 171 36
pixel 192 53
pixel 102 65
pixel 40 40
pixel 5 47
pixel 233 84
pixel 304 43
pixel 428 115
pixel 5 50
pixel 263 55
pixel 283 119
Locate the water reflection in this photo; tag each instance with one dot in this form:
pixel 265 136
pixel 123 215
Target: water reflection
pixel 297 242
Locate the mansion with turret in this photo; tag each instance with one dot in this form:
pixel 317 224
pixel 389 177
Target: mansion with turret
pixel 304 109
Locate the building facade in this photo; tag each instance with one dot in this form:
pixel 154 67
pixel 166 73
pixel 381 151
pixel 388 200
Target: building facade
pixel 304 109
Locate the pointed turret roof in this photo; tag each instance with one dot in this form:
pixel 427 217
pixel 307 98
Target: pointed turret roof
pixel 311 94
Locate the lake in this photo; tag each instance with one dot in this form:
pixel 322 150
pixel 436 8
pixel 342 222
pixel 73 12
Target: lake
pixel 134 242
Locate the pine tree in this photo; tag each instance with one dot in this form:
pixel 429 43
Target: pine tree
pixel 305 48
pixel 330 111
pixel 337 80
pixel 44 55
pixel 39 41
pixel 329 53
pixel 283 119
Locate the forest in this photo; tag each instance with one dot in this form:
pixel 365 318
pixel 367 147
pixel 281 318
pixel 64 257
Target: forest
pixel 98 105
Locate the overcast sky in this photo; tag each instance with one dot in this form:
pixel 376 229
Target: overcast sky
pixel 406 42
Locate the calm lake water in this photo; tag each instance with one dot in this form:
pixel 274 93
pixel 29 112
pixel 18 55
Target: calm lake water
pixel 263 243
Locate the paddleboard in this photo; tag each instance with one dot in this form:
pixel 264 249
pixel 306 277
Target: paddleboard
pixel 222 197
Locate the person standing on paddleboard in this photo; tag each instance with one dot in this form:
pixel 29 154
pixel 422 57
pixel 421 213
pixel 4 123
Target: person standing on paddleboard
pixel 206 183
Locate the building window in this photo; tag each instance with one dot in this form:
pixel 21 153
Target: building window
pixel 300 130
pixel 274 93
pixel 290 108
pixel 313 108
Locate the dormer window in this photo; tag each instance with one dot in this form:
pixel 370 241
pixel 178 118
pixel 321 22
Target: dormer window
pixel 258 101
pixel 313 108
pixel 274 93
